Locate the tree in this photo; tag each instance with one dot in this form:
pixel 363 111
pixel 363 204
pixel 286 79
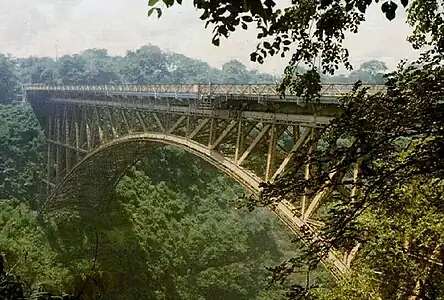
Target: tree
pixel 72 70
pixel 101 68
pixel 373 67
pixel 26 252
pixel 370 72
pixel 146 65
pixel 21 144
pixel 8 80
pixel 235 72
pixel 37 70
pixel 186 70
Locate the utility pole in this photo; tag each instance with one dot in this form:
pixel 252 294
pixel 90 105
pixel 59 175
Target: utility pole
pixel 57 50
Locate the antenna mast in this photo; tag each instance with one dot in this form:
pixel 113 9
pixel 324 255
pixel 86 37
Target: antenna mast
pixel 57 50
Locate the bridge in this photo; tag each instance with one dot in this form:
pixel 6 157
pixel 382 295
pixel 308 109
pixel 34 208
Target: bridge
pixel 95 133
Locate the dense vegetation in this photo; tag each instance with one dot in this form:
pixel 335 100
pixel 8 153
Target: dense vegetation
pixel 395 213
pixel 146 65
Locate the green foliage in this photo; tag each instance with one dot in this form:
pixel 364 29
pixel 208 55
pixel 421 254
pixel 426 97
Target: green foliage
pixel 401 255
pixel 189 71
pixel 100 67
pixel 8 82
pixel 370 72
pixel 146 65
pixel 37 69
pixel 411 237
pixel 21 145
pixel 26 250
pixel 199 247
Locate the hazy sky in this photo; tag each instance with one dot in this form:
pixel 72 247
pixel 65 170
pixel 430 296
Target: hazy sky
pixel 33 27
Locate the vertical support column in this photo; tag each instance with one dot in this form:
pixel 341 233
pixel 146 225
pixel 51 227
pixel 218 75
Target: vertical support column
pixel 239 142
pixel 49 163
pixel 67 139
pixel 58 150
pixel 88 130
pixel 306 176
pixel 88 136
pixel 187 128
pixel 83 121
pixel 271 152
pixel 111 121
pixel 99 127
pixel 296 134
pixel 354 191
pixel 212 134
pixel 125 119
pixel 348 256
pixel 77 132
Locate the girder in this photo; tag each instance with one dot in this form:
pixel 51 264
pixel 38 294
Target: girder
pixel 188 91
pixel 101 130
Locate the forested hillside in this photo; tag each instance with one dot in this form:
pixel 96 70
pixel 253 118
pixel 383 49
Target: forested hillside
pixel 146 65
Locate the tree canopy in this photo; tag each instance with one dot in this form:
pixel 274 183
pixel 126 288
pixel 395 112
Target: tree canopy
pixel 146 65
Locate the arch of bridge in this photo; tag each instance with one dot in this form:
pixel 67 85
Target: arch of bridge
pixel 110 161
pixel 244 177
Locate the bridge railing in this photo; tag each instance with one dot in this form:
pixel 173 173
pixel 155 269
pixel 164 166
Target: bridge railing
pixel 328 90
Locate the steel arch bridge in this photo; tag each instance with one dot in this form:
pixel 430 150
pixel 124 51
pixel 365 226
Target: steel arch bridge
pixel 95 132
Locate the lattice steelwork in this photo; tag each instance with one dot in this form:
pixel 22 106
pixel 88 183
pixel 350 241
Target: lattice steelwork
pixel 261 90
pixel 95 133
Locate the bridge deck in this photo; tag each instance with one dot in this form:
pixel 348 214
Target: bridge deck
pixel 194 91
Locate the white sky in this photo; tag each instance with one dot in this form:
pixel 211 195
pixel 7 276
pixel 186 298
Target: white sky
pixel 33 27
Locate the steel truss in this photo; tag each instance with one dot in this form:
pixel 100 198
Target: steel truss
pixel 255 90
